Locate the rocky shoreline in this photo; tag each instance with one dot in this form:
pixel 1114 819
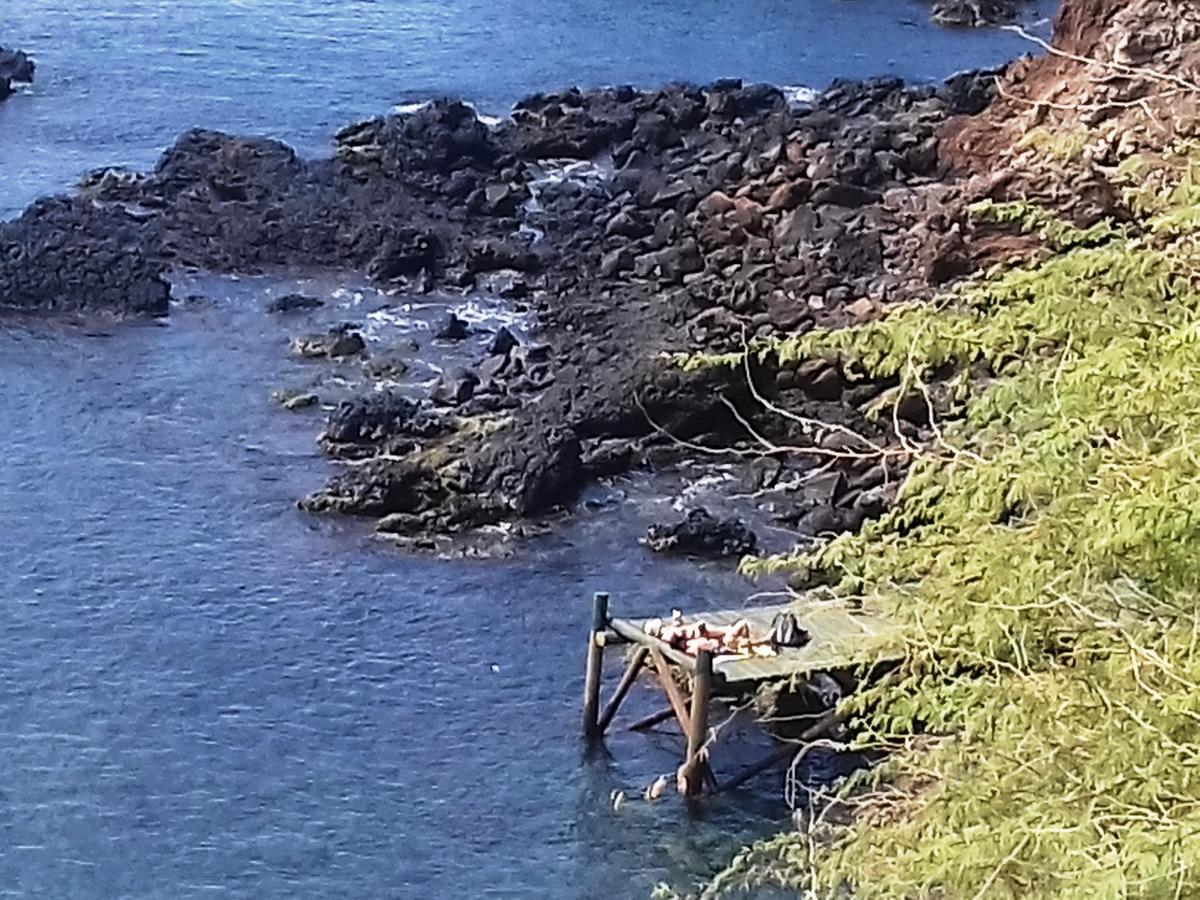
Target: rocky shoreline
pixel 635 225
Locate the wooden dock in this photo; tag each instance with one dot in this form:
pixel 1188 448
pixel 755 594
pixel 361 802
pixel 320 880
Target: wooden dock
pixel 841 638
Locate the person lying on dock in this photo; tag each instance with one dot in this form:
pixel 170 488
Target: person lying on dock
pixel 700 636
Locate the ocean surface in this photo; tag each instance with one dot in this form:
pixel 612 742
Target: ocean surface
pixel 205 692
pixel 119 79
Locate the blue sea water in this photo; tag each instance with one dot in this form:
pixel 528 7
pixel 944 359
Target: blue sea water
pixel 204 692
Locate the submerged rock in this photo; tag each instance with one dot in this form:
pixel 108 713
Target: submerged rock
pixel 340 341
pixel 452 328
pixel 296 400
pixel 294 303
pixel 702 534
pixel 974 13
pixel 389 366
pixel 15 67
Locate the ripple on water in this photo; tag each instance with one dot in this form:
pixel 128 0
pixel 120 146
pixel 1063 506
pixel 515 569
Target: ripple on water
pixel 201 689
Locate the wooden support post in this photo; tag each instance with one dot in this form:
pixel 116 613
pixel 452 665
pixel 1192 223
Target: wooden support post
pixel 653 719
pixel 595 665
pixel 695 763
pixel 776 756
pixel 820 728
pixel 627 681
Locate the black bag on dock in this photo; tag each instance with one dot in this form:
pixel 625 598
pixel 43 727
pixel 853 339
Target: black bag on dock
pixel 786 632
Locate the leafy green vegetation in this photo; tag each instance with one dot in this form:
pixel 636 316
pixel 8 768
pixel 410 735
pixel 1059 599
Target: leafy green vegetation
pixel 1044 555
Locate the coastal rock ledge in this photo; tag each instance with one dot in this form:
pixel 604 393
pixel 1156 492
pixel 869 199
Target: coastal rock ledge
pixel 705 216
pixel 698 218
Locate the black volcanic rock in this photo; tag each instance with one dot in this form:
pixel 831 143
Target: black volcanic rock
pixel 974 13
pixel 15 67
pixel 696 218
pixel 294 303
pixel 702 534
pixel 451 327
pixel 65 255
pixel 339 341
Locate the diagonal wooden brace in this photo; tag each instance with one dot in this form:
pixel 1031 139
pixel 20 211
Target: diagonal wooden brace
pixel 623 688
pixel 678 704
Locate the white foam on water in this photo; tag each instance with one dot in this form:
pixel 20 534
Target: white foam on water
pixel 798 96
pixel 481 310
pixel 407 109
pixel 415 106
pixel 487 119
pixel 701 486
pixel 491 312
pixel 535 235
pixel 388 318
pixel 556 171
pixel 533 205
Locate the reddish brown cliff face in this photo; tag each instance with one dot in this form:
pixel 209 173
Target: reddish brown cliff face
pixel 1125 72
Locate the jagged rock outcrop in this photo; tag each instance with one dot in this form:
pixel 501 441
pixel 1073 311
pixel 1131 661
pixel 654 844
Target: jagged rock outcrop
pixel 68 255
pixel 15 68
pixel 1122 77
pixel 725 214
pixel 700 533
pixel 974 13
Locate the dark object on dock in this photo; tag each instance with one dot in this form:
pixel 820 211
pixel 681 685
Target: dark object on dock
pixel 809 640
pixel 702 534
pixel 786 632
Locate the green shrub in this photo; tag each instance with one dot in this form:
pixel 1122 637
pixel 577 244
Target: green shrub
pixel 1044 555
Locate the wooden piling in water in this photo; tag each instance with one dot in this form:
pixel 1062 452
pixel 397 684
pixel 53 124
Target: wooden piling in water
pixel 695 763
pixel 671 689
pixel 819 729
pixel 653 719
pixel 595 666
